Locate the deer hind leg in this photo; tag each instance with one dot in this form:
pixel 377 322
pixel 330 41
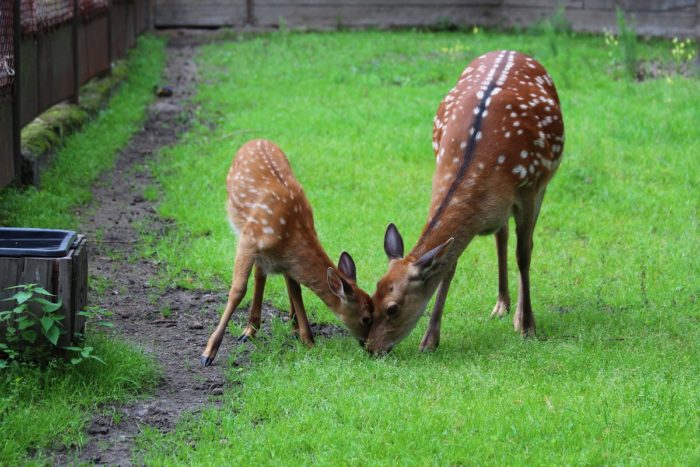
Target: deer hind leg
pixel 431 340
pixel 503 303
pixel 305 334
pixel 292 312
pixel 256 307
pixel 525 220
pixel 245 257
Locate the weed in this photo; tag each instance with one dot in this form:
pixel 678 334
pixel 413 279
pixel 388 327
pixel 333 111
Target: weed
pixel 627 44
pixel 165 312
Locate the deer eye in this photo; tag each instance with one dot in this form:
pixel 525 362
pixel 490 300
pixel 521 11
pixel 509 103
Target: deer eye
pixel 392 310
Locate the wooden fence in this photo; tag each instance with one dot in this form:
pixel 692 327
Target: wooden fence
pixel 53 62
pixel 652 17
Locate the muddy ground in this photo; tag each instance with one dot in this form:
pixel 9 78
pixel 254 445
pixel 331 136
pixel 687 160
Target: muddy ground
pixel 176 341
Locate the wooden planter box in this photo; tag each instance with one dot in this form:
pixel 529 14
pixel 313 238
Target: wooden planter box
pixel 64 276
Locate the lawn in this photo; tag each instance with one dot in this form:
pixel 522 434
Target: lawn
pixel 612 377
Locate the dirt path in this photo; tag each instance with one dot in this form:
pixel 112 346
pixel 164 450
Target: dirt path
pixel 175 341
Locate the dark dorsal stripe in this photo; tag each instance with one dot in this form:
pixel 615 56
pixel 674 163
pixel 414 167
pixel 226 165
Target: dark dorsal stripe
pixel 469 151
pixel 271 164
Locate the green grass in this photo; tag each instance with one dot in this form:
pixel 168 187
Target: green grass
pixel 42 409
pixel 612 378
pixel 46 408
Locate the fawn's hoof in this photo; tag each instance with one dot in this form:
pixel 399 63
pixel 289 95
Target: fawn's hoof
pixel 243 338
pixel 206 361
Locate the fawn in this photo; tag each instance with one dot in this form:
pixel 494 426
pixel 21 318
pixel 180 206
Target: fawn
pixel 498 138
pixel 268 209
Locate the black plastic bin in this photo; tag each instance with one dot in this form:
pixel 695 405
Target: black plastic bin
pixel 45 243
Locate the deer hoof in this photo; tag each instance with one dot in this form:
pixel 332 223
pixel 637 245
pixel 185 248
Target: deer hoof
pixel 243 338
pixel 501 309
pixel 206 361
pixel 429 343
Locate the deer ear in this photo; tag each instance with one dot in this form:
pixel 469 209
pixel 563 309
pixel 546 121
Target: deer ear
pixel 338 285
pixel 393 243
pixel 430 259
pixel 347 266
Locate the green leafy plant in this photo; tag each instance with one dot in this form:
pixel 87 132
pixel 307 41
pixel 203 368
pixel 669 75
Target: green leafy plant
pixel 24 323
pixel 31 330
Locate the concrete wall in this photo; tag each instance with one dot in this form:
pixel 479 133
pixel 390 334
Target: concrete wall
pixel 652 17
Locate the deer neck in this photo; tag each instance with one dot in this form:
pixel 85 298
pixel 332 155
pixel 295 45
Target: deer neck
pixel 458 222
pixel 311 268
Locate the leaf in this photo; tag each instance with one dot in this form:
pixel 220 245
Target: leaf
pixel 47 322
pixel 3 364
pixel 94 357
pixel 76 360
pixel 42 291
pixel 29 335
pixel 47 306
pixel 53 334
pixel 22 296
pixel 105 324
pixel 24 324
pixel 72 349
pixel 20 309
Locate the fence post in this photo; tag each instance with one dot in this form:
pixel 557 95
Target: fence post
pixel 110 53
pixel 249 13
pixel 16 96
pixel 76 65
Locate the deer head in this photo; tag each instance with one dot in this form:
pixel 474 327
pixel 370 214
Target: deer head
pixel 354 307
pixel 404 291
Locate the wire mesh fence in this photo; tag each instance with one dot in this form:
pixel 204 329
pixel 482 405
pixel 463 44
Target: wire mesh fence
pixel 7 71
pixel 40 15
pixel 90 8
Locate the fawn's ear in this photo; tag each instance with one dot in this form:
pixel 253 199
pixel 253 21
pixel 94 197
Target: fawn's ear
pixel 347 266
pixel 393 243
pixel 338 285
pixel 426 263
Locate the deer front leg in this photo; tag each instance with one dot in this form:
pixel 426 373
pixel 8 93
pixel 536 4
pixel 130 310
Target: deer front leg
pixel 243 264
pixel 503 303
pixel 524 319
pixel 431 340
pixel 256 307
pixel 305 334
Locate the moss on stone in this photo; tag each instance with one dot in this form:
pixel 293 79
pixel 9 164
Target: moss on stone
pixel 45 133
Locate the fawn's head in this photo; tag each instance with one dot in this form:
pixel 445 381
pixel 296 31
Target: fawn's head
pixel 404 291
pixel 354 306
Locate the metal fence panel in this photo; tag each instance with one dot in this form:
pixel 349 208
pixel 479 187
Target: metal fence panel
pixel 42 15
pixel 91 8
pixel 6 46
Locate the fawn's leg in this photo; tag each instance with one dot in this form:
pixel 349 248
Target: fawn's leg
pixel 503 303
pixel 305 334
pixel 243 263
pixel 292 312
pixel 431 340
pixel 256 306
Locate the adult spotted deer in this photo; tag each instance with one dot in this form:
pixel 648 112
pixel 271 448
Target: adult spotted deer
pixel 498 137
pixel 269 211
